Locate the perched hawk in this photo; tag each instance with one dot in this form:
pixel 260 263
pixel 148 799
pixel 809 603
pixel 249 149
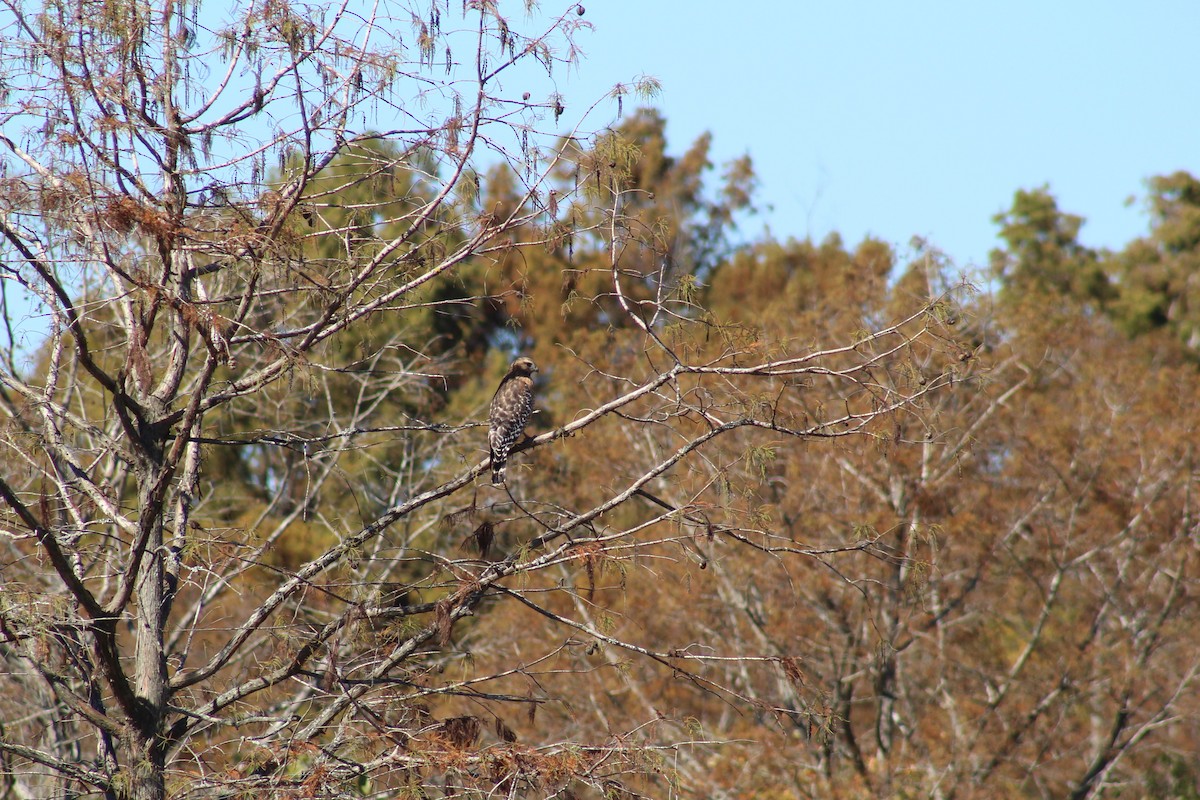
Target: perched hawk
pixel 510 412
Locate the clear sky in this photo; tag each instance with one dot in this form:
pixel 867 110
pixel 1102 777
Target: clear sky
pixel 919 118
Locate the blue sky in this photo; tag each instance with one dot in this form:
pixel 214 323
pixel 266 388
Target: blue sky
pixel 919 118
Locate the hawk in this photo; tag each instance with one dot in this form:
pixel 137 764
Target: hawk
pixel 510 411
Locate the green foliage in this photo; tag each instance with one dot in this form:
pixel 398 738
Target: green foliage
pixel 1157 274
pixel 1043 254
pixel 1174 778
pixel 1147 287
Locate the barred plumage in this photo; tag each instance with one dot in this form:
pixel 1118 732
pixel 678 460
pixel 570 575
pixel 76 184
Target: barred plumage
pixel 510 410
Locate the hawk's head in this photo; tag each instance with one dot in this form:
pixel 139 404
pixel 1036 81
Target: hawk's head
pixel 522 366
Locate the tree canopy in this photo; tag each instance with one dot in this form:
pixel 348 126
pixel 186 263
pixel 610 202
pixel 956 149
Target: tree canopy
pixel 792 518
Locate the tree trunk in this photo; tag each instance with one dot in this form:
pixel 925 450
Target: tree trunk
pixel 145 748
